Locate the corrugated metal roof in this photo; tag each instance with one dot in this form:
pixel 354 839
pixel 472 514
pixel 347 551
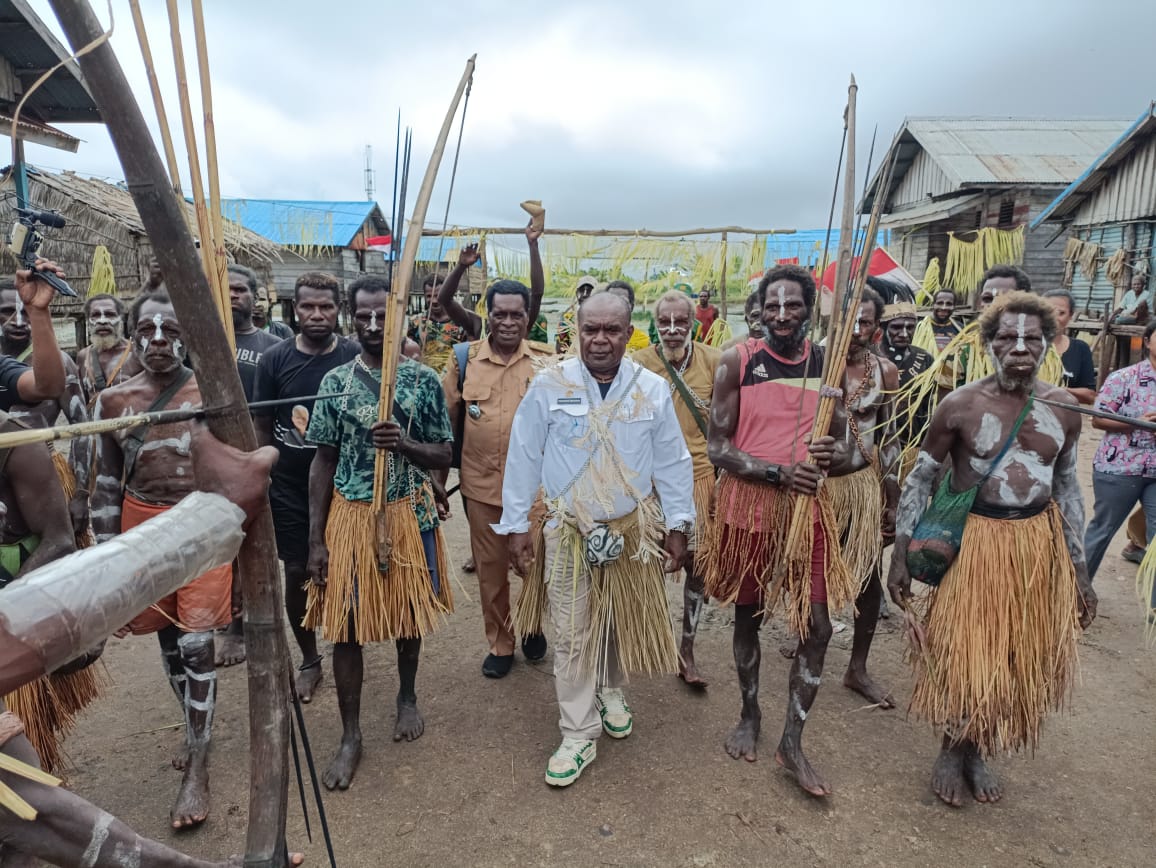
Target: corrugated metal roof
pixel 31 49
pixel 930 211
pixel 975 151
pixel 303 223
pixel 1100 169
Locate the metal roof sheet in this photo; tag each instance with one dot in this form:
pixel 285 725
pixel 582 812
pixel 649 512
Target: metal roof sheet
pixel 930 211
pixel 975 151
pixel 31 49
pixel 305 223
pixel 1099 169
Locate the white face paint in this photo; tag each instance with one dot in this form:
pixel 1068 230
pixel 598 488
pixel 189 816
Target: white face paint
pixel 783 302
pixel 19 312
pixel 1021 347
pixel 178 349
pixel 373 321
pixel 103 318
pixel 144 344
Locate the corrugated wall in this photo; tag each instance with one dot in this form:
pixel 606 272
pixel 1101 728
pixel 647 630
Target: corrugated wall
pixel 1130 194
pixel 1091 295
pixel 923 179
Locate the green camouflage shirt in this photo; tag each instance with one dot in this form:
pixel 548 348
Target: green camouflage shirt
pixel 344 424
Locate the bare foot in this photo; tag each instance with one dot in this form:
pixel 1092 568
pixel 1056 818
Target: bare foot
pixel 409 724
pixel 862 684
pixel 181 759
pixel 688 671
pixel 469 566
pixel 239 861
pixel 340 773
pixel 740 744
pixel 789 647
pixel 192 804
pixel 308 677
pixel 797 764
pixel 230 648
pixel 947 776
pixel 983 784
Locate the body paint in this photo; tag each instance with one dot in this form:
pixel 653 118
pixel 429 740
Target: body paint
pixel 158 321
pixel 99 835
pixel 783 303
pixel 1020 325
pixel 20 312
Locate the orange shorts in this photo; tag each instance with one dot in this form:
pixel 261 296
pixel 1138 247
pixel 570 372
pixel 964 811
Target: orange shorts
pixel 203 604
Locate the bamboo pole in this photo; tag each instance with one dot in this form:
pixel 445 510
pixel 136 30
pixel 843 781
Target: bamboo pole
pixel 163 215
pixel 395 319
pixel 158 101
pixel 204 229
pixel 598 233
pixel 723 280
pixel 216 218
pixel 799 562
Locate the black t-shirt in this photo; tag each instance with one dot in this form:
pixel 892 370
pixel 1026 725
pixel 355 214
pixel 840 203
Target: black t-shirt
pixel 249 351
pixel 286 372
pixel 10 371
pixel 1079 369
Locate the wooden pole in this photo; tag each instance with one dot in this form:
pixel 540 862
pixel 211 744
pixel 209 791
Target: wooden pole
pixel 216 218
pixel 599 233
pixel 203 228
pixel 163 216
pixel 158 101
pixel 847 223
pixel 395 321
pixel 723 280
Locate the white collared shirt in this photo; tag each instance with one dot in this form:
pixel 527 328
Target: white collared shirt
pixel 555 435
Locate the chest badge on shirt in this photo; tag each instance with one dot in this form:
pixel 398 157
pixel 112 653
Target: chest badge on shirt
pixel 574 401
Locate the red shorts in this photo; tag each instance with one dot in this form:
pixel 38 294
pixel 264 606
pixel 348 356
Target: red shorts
pixel 203 604
pixel 752 575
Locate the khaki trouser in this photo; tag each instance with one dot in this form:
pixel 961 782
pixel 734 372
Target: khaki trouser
pixel 574 682
pixel 492 564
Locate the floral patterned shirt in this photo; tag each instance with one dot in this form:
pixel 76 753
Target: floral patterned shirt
pixel 1130 392
pixel 344 424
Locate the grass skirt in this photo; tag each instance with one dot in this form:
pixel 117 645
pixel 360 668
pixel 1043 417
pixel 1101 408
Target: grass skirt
pixel 49 706
pixel 1000 634
pixel 627 596
pixel 68 483
pixel 397 604
pixel 530 607
pixel 763 514
pixel 1146 591
pixel 857 501
pixel 703 511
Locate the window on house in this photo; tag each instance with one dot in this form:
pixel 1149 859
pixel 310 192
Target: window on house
pixel 1007 210
pixel 978 217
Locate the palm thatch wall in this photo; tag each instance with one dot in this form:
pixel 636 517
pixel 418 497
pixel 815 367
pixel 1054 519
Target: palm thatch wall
pixel 98 212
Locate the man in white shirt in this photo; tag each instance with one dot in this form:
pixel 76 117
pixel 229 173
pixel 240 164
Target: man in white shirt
pixel 599 435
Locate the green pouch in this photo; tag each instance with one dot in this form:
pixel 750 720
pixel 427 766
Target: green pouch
pixel 937 537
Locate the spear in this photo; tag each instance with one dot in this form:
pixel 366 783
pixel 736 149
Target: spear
pixel 395 317
pixel 164 220
pixel 847 221
pixel 1143 424
pixel 24 436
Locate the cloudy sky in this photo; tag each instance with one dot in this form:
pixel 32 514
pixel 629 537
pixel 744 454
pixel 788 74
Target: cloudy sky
pixel 662 114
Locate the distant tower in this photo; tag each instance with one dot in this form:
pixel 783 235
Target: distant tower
pixel 369 172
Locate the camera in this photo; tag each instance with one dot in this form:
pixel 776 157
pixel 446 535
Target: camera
pixel 24 241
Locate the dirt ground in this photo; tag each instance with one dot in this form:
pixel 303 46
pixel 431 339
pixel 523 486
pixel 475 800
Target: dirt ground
pixel 471 791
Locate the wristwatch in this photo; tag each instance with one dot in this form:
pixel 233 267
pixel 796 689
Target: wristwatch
pixel 774 474
pixel 683 527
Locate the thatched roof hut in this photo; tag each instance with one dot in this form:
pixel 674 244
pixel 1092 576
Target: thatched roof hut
pixel 98 212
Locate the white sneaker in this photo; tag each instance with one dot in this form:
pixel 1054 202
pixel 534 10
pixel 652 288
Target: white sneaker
pixel 617 721
pixel 568 761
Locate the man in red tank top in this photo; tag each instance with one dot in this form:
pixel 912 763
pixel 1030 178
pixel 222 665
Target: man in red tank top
pixel 765 395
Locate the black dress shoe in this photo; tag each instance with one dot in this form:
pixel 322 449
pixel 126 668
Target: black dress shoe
pixel 497 667
pixel 534 647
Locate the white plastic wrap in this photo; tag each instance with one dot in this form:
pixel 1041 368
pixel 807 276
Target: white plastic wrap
pixel 54 613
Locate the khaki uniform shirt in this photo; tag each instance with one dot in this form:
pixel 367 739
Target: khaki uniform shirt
pixel 496 388
pixel 699 378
